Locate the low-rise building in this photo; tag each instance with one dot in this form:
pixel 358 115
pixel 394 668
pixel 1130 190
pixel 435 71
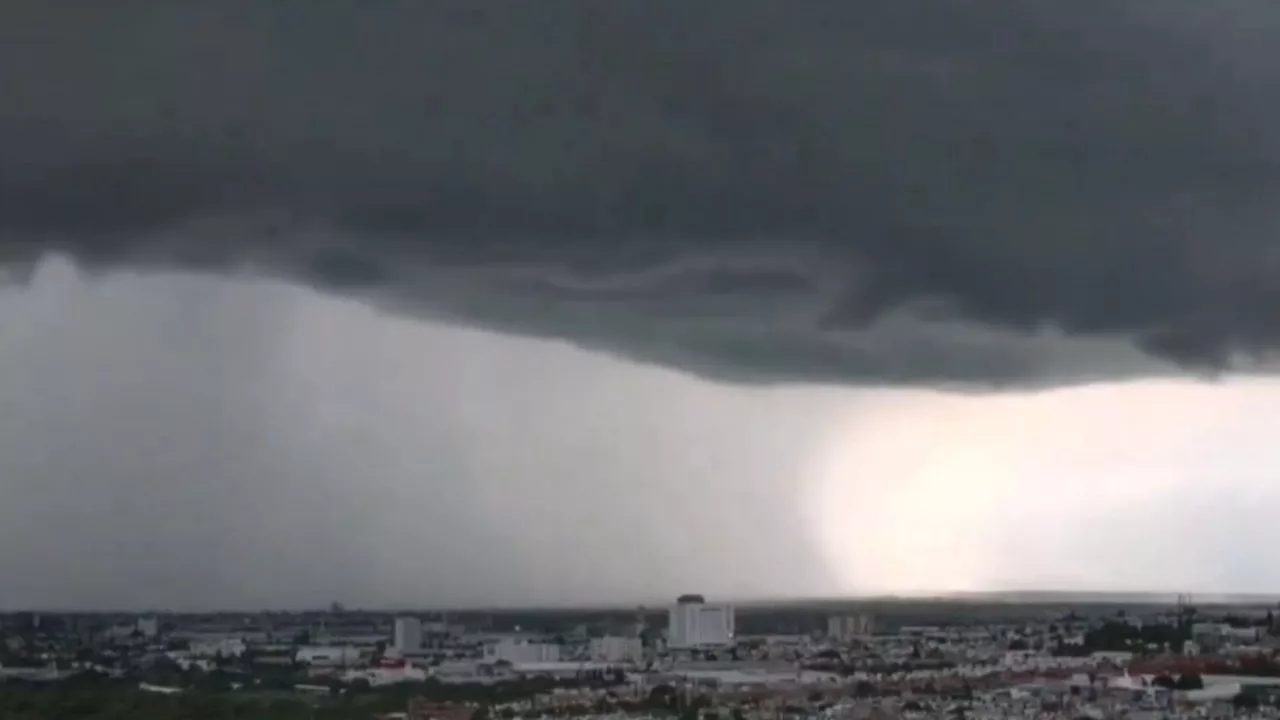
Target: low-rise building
pixel 517 652
pixel 616 649
pixel 328 656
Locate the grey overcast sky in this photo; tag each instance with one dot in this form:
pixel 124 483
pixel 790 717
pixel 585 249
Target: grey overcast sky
pixel 435 302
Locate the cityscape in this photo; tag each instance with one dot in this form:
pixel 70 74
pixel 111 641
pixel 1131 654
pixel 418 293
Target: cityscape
pixel 696 658
pixel 639 360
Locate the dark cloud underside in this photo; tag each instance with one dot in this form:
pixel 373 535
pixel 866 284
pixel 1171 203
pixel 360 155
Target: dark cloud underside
pixel 757 189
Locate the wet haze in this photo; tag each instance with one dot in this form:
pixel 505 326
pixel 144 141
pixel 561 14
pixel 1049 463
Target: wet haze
pixel 426 303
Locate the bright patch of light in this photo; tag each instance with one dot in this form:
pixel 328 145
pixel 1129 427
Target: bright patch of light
pixel 1099 487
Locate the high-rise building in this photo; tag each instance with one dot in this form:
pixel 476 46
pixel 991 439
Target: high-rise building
pixel 692 623
pixel 408 635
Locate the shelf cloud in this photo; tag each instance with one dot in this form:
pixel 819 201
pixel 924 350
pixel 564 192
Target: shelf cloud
pixel 901 192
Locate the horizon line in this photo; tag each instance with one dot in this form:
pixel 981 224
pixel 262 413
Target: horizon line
pixel 1013 597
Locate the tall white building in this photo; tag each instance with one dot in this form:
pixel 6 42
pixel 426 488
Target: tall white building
pixel 692 623
pixel 408 635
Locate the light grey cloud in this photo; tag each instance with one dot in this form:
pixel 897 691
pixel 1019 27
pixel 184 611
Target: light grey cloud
pixel 1108 170
pixel 186 442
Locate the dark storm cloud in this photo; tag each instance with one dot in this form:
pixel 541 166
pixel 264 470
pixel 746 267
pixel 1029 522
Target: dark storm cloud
pixel 758 190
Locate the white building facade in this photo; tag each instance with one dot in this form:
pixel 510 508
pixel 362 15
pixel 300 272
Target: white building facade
pixel 212 648
pixel 517 652
pixel 327 655
pixel 693 623
pixel 408 635
pixel 844 628
pixel 615 649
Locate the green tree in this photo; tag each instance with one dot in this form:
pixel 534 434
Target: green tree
pixel 1245 700
pixel 1190 681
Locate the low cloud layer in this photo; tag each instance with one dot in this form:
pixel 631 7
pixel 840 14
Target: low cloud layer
pixel 897 191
